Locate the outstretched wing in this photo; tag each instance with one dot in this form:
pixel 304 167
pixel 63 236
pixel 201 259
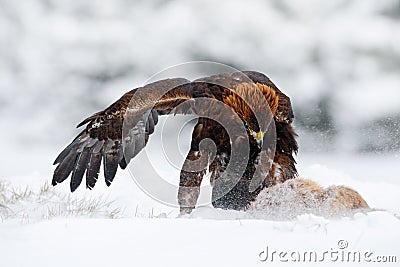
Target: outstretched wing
pixel 102 139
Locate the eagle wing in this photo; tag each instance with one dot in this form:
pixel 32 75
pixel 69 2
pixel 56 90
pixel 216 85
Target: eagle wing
pixel 102 139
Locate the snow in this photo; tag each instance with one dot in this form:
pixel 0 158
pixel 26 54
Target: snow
pixel 144 231
pixel 183 242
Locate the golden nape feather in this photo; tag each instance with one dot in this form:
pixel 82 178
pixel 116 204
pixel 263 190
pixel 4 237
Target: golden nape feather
pixel 248 100
pixel 270 95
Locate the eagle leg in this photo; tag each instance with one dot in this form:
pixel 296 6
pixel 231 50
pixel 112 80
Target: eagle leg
pixel 192 174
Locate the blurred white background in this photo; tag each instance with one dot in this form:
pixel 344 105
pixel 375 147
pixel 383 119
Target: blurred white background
pixel 62 60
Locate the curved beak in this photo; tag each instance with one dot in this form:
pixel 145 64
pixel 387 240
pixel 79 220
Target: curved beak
pixel 259 138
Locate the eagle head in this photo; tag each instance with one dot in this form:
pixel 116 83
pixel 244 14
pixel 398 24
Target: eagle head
pixel 255 106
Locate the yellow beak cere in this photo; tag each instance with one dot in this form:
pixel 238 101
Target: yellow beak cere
pixel 260 136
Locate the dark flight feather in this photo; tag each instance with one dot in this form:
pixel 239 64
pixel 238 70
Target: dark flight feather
pixel 93 169
pixel 80 168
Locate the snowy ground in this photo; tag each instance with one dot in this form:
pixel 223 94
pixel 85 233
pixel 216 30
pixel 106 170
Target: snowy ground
pixel 121 225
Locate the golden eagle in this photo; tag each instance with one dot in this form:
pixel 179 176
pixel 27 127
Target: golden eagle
pixel 117 134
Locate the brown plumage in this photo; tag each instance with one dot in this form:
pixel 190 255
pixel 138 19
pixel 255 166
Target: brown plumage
pixel 117 134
